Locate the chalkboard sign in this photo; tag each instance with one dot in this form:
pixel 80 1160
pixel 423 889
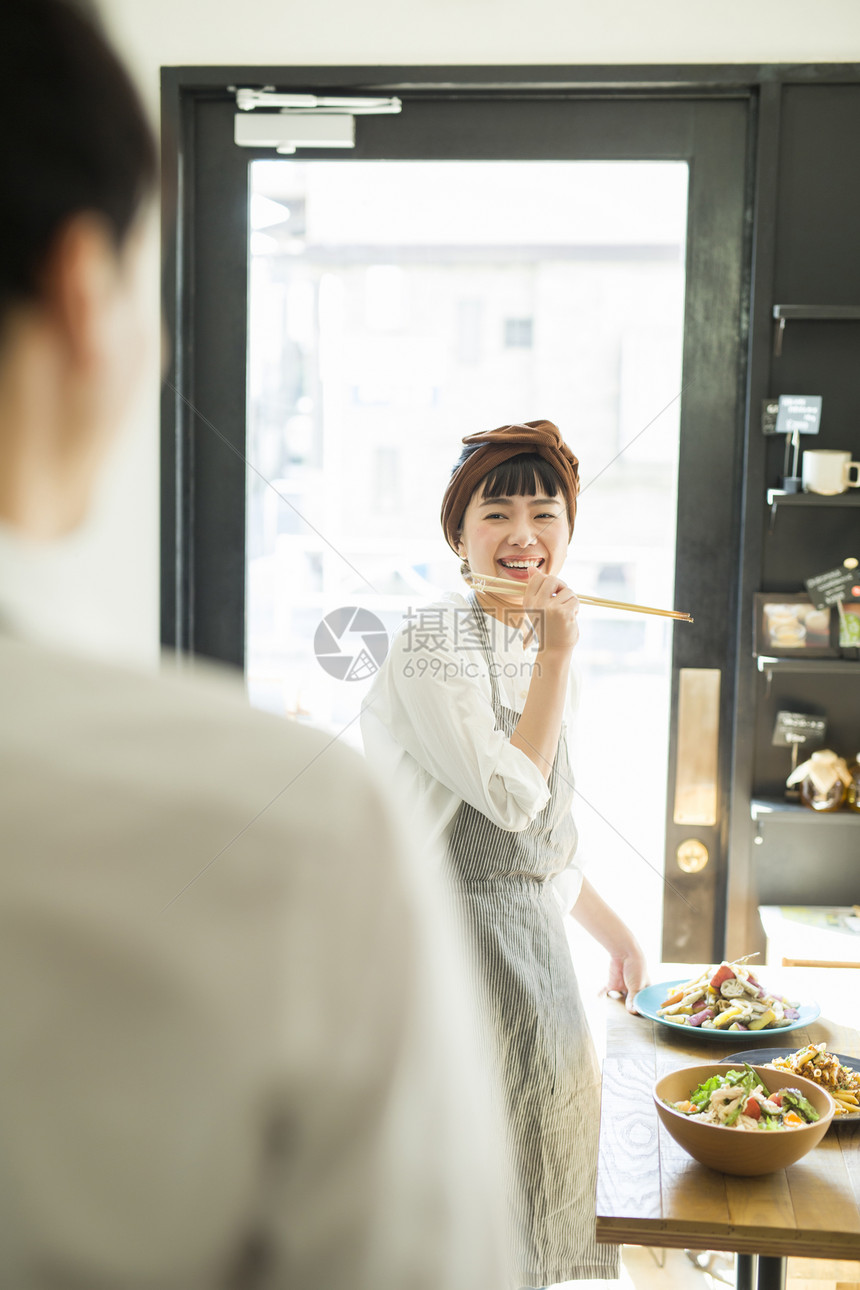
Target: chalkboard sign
pixel 831 587
pixel 796 728
pixel 790 412
pixel 798 413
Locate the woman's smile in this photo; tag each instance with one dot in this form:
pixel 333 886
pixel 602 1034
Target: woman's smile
pixel 518 567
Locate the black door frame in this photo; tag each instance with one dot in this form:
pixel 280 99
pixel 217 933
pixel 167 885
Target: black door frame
pixel 203 406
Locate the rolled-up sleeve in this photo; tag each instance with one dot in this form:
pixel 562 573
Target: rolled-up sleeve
pixel 568 885
pixel 437 705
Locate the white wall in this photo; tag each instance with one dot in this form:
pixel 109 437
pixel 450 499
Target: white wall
pixel 115 563
pixel 485 31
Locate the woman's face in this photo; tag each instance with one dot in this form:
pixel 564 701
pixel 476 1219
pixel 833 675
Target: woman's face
pixel 508 537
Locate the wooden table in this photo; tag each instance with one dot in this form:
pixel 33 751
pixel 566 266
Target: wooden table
pixel 650 1192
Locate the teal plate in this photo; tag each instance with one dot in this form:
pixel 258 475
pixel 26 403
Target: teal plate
pixel 647 1002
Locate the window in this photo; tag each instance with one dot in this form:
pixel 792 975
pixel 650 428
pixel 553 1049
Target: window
pixel 518 333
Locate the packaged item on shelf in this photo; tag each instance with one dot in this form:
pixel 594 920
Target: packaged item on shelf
pixel 823 781
pixel 852 796
pixel 849 627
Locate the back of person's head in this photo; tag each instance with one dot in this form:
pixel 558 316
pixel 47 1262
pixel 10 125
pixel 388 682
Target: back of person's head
pixel 75 137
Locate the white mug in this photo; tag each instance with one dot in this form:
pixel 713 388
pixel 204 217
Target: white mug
pixel 828 471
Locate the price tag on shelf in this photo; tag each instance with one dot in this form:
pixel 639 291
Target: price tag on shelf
pixel 791 414
pixel 798 728
pixel 833 586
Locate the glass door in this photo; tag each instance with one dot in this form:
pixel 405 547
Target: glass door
pixel 428 285
pixel 395 307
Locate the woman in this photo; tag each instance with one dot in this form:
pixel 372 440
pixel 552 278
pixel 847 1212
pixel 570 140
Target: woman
pixel 467 719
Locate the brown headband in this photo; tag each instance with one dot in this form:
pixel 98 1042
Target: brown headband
pixel 497 446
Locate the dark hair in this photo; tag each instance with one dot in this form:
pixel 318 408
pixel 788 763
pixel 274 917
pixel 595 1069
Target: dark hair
pixel 75 136
pixel 522 475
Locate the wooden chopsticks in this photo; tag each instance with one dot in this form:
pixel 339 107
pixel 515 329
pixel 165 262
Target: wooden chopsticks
pixel 507 586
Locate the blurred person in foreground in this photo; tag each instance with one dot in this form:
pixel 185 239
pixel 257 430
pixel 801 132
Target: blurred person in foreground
pixel 234 1049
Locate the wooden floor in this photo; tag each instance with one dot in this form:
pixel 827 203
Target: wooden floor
pixel 641 1270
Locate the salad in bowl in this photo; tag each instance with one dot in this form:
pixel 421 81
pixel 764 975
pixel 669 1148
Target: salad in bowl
pixel 742 1119
pixel 739 1100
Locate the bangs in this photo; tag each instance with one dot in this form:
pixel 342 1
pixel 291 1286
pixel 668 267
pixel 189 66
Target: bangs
pixel 525 475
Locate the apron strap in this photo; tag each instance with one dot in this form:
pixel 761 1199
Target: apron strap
pixel 481 620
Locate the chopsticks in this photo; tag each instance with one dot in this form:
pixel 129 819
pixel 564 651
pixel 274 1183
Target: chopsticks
pixel 507 586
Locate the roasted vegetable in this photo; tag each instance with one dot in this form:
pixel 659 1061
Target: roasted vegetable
pixel 723 973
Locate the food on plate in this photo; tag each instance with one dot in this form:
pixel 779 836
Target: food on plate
pixel 727 997
pixel 816 1063
pixel 739 1100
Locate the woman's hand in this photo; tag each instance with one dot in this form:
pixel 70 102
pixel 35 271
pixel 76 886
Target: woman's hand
pixel 628 974
pixel 552 609
pixel 627 970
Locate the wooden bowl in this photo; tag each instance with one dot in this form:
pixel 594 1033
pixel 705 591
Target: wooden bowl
pixel 734 1151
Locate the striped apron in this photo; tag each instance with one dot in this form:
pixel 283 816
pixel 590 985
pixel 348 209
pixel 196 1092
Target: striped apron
pixel 527 983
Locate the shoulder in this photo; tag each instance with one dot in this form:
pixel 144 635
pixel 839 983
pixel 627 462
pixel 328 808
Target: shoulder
pixel 58 690
pixel 187 744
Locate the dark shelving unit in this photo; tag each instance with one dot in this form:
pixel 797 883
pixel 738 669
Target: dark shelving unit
pixel 807 345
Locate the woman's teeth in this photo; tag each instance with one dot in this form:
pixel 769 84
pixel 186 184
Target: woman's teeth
pixel 521 564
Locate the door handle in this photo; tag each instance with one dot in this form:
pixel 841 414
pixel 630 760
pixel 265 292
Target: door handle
pixel 697 746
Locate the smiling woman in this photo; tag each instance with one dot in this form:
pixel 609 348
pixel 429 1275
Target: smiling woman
pixel 470 724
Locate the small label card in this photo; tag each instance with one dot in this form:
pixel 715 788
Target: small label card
pixel 790 412
pixel 798 413
pixel 797 728
pixel 831 587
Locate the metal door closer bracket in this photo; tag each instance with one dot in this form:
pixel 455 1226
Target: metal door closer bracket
pixel 291 121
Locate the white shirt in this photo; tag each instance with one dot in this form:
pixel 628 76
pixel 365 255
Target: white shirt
pixel 429 729
pixel 235 1048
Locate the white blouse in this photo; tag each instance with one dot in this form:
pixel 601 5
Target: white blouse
pixel 429 729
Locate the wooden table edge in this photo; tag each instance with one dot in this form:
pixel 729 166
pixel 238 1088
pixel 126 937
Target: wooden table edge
pixel 678 1234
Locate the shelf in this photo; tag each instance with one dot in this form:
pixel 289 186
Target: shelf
pixel 777 811
pixel 833 666
pixel 776 497
pixel 818 313
pixel 809 313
